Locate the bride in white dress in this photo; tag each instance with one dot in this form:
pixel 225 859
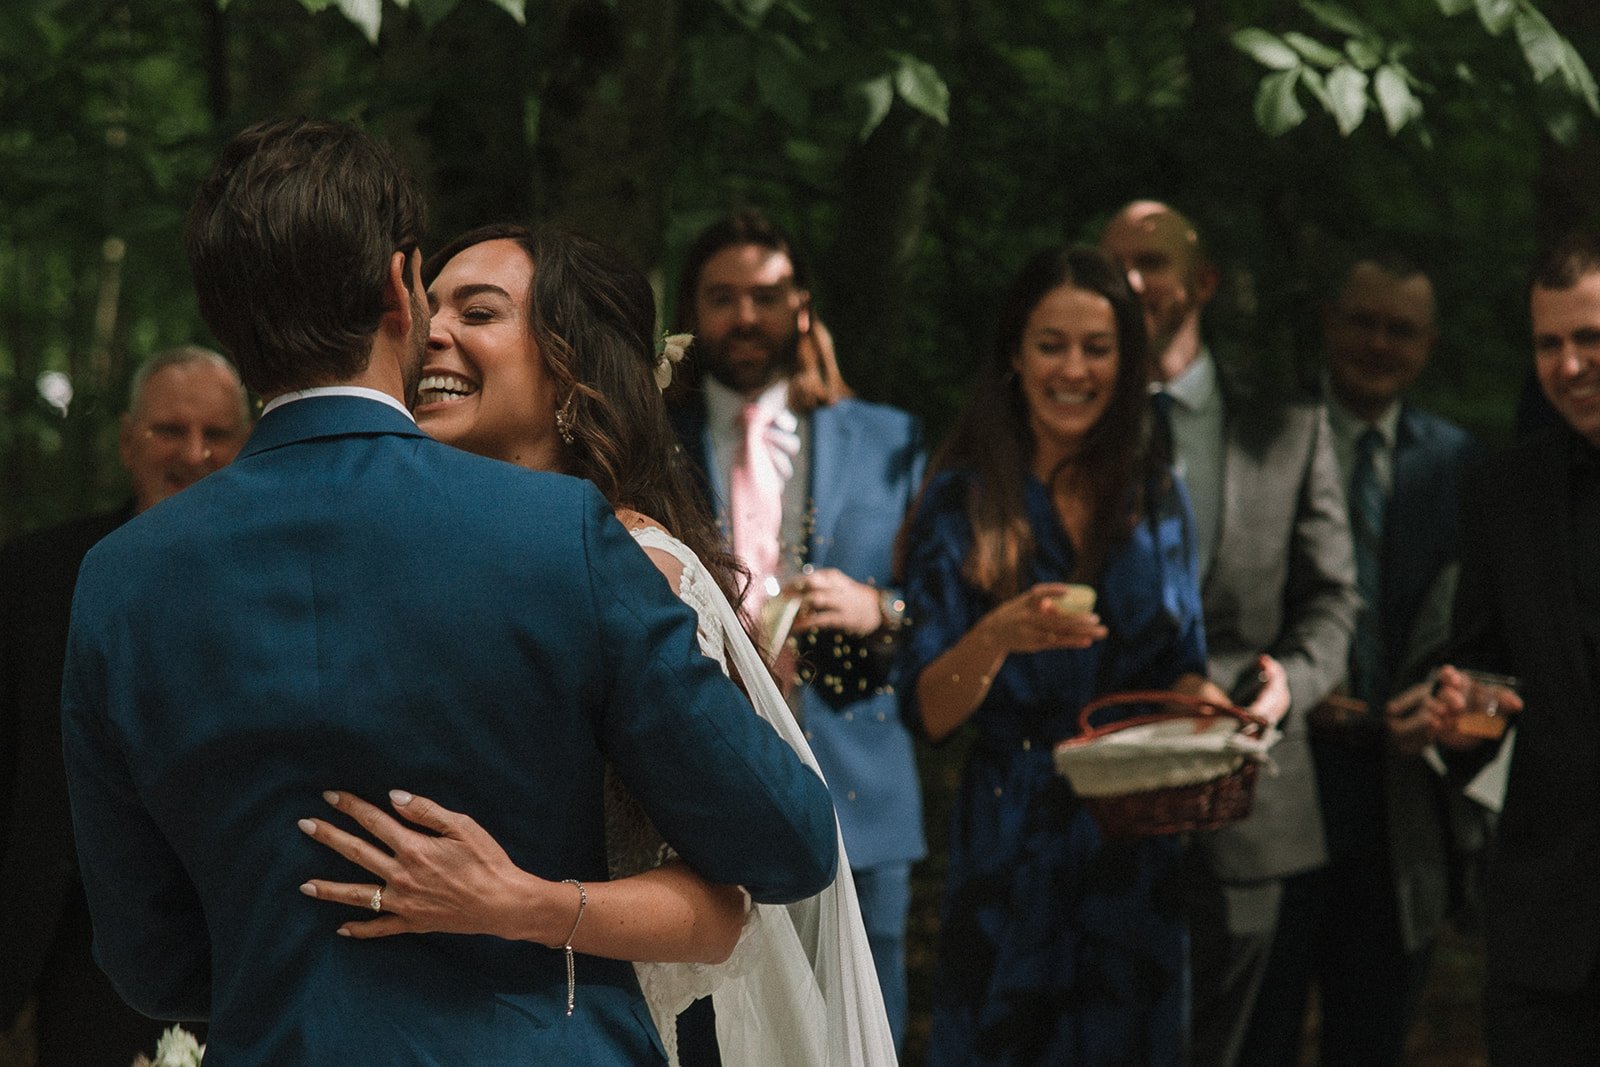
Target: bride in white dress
pixel 541 353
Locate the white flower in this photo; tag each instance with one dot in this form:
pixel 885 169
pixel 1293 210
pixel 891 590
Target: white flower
pixel 673 346
pixel 177 1048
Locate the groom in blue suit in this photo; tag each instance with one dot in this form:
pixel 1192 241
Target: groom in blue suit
pixel 354 606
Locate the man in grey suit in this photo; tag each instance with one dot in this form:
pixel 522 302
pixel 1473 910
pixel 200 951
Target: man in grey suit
pixel 1277 582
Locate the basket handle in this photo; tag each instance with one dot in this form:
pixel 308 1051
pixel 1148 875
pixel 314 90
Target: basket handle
pixel 1254 725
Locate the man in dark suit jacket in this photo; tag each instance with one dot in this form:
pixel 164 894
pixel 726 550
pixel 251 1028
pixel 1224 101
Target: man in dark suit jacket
pixel 352 605
pixel 853 469
pixel 1277 581
pixel 1528 605
pixel 187 416
pixel 1361 927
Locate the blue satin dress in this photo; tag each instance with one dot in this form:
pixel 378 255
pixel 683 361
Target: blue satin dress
pixel 1056 946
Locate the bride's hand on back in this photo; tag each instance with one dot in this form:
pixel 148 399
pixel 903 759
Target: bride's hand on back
pixel 453 878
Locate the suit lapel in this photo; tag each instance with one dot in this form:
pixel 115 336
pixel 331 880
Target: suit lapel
pixel 1411 504
pixel 1239 462
pixel 830 450
pixel 692 427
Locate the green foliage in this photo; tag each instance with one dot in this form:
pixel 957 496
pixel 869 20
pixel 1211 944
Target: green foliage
pixel 919 150
pixel 367 15
pixel 1375 66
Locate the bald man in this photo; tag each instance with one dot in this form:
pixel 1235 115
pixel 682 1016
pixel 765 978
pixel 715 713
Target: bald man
pixel 1277 580
pixel 187 416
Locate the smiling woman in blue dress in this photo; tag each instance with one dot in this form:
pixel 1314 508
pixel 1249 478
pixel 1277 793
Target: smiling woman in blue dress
pixel 1056 946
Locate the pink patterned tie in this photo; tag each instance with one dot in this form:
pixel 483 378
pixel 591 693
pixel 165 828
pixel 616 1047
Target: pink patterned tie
pixel 755 505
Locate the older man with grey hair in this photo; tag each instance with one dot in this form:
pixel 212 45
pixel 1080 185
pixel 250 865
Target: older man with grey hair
pixel 187 416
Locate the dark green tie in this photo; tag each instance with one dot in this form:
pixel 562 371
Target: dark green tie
pixel 1366 530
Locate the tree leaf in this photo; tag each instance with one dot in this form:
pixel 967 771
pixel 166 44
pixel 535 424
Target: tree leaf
pixel 1575 72
pixel 1314 50
pixel 1347 97
pixel 1265 48
pixel 1542 46
pixel 1365 53
pixel 920 85
pixel 366 14
pixel 1398 103
pixel 517 9
pixel 1496 15
pixel 1312 80
pixel 1277 109
pixel 1454 7
pixel 1336 17
pixel 879 95
pixel 1565 126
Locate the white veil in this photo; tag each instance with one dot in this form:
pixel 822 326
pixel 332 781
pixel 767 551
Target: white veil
pixel 801 989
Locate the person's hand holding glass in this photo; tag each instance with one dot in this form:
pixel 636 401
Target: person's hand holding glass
pixel 1463 708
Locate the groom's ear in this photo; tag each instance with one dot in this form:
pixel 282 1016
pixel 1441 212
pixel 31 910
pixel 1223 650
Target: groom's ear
pixel 397 292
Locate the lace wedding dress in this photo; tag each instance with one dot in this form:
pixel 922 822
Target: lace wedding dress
pixel 800 989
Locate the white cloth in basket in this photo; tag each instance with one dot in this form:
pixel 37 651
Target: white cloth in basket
pixel 1178 751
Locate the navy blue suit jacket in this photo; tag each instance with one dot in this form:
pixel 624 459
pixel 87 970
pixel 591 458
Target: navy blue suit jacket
pixel 1427 822
pixel 1421 530
pixel 352 605
pixel 866 464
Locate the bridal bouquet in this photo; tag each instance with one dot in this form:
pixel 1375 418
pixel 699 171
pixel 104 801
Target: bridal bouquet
pixel 177 1048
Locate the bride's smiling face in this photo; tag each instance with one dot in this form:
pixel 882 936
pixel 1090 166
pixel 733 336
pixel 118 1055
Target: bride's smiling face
pixel 485 387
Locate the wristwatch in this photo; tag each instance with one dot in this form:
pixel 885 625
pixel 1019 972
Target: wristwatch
pixel 892 608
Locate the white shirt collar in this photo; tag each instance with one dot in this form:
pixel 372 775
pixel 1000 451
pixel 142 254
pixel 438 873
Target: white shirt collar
pixel 1348 427
pixel 1196 387
pixel 723 405
pixel 337 390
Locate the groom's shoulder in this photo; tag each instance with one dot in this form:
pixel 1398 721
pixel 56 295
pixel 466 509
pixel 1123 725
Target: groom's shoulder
pixel 494 486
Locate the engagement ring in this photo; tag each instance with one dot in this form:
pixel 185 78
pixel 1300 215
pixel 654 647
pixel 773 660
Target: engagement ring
pixel 376 903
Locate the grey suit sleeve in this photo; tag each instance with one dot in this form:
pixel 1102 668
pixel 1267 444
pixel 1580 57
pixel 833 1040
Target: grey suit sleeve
pixel 150 934
pixel 720 785
pixel 1320 596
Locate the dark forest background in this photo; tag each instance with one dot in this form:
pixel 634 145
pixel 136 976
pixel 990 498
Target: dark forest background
pixel 919 149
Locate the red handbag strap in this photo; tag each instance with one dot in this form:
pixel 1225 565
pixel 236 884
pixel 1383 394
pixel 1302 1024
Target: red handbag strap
pixel 1166 698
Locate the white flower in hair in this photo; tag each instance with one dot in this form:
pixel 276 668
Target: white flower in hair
pixel 673 346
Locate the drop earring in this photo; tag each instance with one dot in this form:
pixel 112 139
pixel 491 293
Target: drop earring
pixel 564 421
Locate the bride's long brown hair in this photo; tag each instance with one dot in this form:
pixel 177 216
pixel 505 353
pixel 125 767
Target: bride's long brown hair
pixel 592 315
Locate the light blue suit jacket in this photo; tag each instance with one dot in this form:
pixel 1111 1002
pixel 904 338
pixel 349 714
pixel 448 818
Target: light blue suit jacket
pixel 866 464
pixel 352 605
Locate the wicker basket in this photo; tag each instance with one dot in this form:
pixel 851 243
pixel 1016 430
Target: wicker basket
pixel 1190 766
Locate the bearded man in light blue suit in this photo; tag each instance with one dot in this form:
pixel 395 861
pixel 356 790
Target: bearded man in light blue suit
pixel 851 471
pixel 355 604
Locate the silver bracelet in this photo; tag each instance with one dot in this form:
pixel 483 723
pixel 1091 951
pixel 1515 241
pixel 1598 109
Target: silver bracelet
pixel 583 902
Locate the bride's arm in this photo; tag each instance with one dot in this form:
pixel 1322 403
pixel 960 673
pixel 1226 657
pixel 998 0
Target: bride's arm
pixel 461 881
pixel 457 879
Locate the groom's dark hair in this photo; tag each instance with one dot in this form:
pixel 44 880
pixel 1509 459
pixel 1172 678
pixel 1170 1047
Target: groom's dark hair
pixel 289 241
